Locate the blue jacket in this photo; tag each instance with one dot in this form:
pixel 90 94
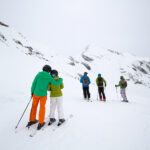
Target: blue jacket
pixel 82 78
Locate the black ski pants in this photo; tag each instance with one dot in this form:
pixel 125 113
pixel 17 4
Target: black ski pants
pixel 101 92
pixel 86 92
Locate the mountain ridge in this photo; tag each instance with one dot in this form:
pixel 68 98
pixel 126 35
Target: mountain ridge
pixel 92 59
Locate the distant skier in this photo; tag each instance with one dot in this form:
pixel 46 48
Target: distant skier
pixel 123 85
pixel 100 81
pixel 85 80
pixel 39 93
pixel 56 100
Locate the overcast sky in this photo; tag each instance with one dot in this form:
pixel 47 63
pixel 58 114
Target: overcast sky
pixel 68 26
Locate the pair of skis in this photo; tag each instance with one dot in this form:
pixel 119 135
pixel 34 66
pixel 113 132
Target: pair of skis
pixel 54 126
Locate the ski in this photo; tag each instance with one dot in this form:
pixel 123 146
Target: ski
pixel 43 128
pixel 35 130
pixel 33 133
pixel 89 100
pixel 53 126
pixel 62 124
pixel 26 128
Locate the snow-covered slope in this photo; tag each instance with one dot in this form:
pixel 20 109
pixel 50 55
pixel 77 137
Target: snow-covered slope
pixel 93 59
pixel 111 63
pixel 95 125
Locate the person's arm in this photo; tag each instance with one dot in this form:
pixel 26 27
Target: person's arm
pixel 89 80
pixel 97 81
pixel 81 80
pixel 119 84
pixel 49 87
pixel 33 85
pixel 104 81
pixel 62 85
pixel 54 82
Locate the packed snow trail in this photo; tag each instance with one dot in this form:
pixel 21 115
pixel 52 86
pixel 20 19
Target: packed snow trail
pixel 106 125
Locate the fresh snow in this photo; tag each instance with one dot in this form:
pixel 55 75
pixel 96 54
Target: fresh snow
pixel 110 125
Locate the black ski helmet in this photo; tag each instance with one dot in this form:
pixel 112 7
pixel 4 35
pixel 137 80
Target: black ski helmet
pixel 121 77
pixel 47 68
pixel 54 73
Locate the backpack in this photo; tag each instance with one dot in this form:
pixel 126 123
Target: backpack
pixel 85 80
pixel 100 81
pixel 124 83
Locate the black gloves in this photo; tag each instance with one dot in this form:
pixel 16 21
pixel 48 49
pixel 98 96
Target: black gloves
pixel 31 94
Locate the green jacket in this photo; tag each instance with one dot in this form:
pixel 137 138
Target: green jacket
pixel 121 84
pixel 55 90
pixel 41 81
pixel 103 81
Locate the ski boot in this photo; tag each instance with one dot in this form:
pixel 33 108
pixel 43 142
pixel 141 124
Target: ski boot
pixel 52 120
pixel 40 125
pixel 31 123
pixel 60 122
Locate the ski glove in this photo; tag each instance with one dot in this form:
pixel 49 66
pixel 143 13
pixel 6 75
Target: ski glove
pixel 31 94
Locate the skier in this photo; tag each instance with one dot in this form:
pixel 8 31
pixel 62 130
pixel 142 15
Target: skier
pixel 56 100
pixel 100 81
pixel 85 80
pixel 39 93
pixel 123 85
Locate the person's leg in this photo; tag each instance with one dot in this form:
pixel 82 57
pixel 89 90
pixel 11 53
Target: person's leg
pixel 124 95
pixel 102 90
pixel 88 93
pixel 52 107
pixel 84 92
pixel 60 107
pixel 60 111
pixel 53 103
pixel 121 93
pixel 99 92
pixel 42 109
pixel 34 108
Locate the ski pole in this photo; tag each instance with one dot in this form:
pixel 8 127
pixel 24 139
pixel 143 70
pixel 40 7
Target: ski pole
pixel 23 112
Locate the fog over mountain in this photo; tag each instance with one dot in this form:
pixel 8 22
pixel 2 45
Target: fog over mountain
pixel 68 26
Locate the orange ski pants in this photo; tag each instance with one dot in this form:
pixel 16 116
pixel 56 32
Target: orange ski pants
pixel 35 103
